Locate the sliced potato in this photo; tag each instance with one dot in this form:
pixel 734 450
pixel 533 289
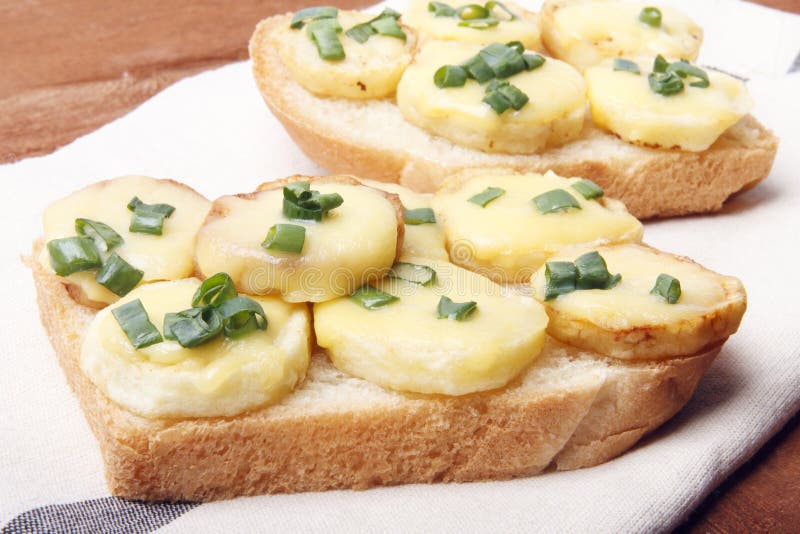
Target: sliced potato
pixel 509 238
pixel 585 32
pixel 169 256
pixel 404 346
pixel 628 322
pixel 553 115
pixel 222 377
pixel 354 244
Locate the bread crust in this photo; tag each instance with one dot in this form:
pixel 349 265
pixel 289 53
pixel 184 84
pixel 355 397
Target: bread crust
pixel 317 439
pixel 651 182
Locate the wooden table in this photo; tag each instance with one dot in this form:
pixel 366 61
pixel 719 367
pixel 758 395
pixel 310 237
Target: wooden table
pixel 72 66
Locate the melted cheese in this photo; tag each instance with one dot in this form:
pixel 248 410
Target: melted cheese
pixel 524 28
pixel 353 244
pixel 553 116
pixel 405 346
pixel 509 238
pixel 222 377
pixel 165 257
pixel 693 119
pixel 584 33
pixel 369 70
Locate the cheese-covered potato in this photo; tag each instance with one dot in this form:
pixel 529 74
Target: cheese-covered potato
pixel 355 243
pixel 692 119
pixel 405 346
pixel 448 25
pixel 553 115
pixel 629 322
pixel 585 32
pixel 368 70
pixel 222 377
pixel 510 238
pixel 169 256
pixel 424 240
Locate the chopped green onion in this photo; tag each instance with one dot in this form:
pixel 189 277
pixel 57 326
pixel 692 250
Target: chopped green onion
pixel 118 276
pixel 683 69
pixel 504 61
pixel 388 26
pixel 651 16
pixel 297 188
pixel 440 9
pixel 480 24
pixel 214 290
pixel 472 11
pixel 148 218
pixel 626 65
pixel 501 95
pixel 383 24
pixel 660 64
pixel 299 202
pixel 419 216
pixel 555 201
pixel 498 102
pixel 517 46
pixel 667 83
pixel 560 277
pixel 241 315
pixel 313 13
pixel 361 32
pixel 533 61
pixel 493 4
pixel 193 327
pixel 668 288
pixel 588 189
pixel 136 204
pixel 478 69
pixel 372 298
pixel 487 195
pixel 105 238
pixel 457 311
pixel 133 320
pixel 411 272
pixel 450 76
pixel 325 34
pixel 73 254
pixel 593 272
pixel 286 238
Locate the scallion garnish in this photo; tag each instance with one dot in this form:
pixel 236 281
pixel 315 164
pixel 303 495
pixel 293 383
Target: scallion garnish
pixel 626 65
pixel 457 311
pixel 665 83
pixel 487 195
pixel 588 189
pixel 412 272
pixel 105 238
pixel 472 11
pixel 300 202
pixel 478 70
pixel 555 201
pixel 313 13
pixel 517 46
pixel 325 34
pixel 440 9
pixel 560 277
pixel 533 61
pixel 148 218
pixel 660 64
pixel 504 60
pixel 133 320
pixel 241 315
pixel 593 272
pixel 73 254
pixel 684 69
pixel 118 276
pixel 285 237
pixel 215 290
pixel 501 95
pixel 651 16
pixel 383 24
pixel 418 216
pixel 372 298
pixel 387 25
pixel 667 78
pixel 194 326
pixel 450 76
pixel 667 287
pixel 361 32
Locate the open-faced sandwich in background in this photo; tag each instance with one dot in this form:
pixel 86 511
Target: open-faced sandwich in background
pixel 608 90
pixel 331 334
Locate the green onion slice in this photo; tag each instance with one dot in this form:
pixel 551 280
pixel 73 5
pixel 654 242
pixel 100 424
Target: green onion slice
pixel 626 65
pixel 148 218
pixel 517 46
pixel 666 84
pixel 361 32
pixel 372 298
pixel 285 237
pixel 418 216
pixel 533 61
pixel 660 64
pixel 593 272
pixel 501 95
pixel 555 201
pixel 118 276
pixel 478 69
pixel 299 202
pixel 493 4
pixel 240 316
pixel 588 189
pixel 383 24
pixel 667 287
pixel 504 60
pixel 440 9
pixel 450 76
pixel 133 320
pixel 560 277
pixel 651 16
pixel 387 25
pixel 457 311
pixel 412 272
pixel 684 69
pixel 472 12
pixel 486 196
pixel 325 34
pixel 105 238
pixel 73 254
pixel 214 290
pixel 313 13
pixel 193 327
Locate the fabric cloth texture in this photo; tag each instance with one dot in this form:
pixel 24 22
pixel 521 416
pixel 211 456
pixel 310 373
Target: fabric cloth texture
pixel 214 132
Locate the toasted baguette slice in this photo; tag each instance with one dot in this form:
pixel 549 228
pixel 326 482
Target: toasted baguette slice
pixel 370 138
pixel 569 410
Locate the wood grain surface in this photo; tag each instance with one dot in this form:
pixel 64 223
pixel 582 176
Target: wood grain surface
pixel 70 66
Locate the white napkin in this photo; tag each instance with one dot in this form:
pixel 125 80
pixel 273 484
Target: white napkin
pixel 213 132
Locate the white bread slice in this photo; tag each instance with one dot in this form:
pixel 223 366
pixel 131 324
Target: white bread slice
pixel 568 410
pixel 371 139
